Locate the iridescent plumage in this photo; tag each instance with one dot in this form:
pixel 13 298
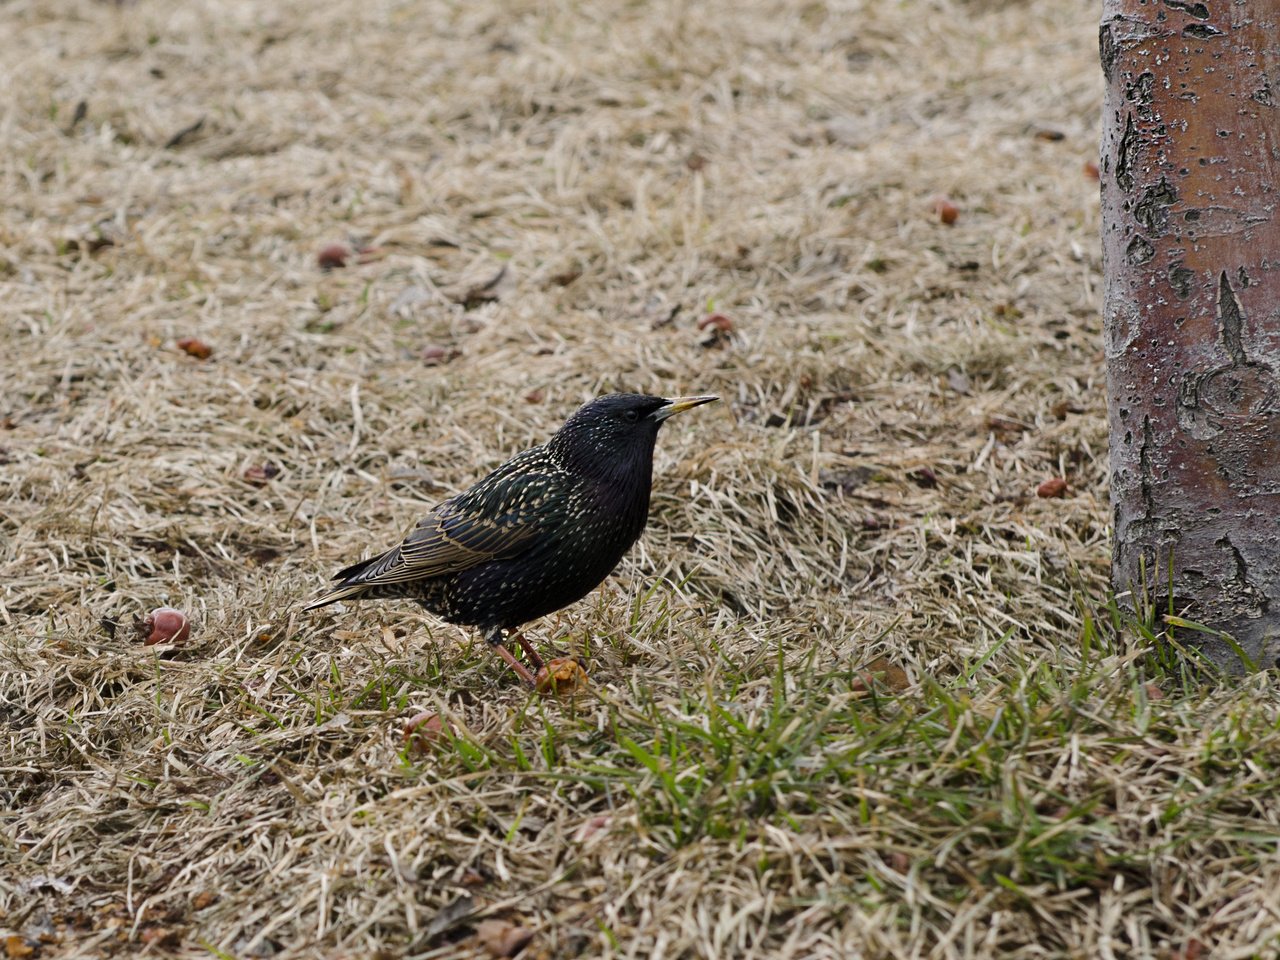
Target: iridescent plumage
pixel 537 534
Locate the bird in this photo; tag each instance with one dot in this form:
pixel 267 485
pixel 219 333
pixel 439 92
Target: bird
pixel 537 534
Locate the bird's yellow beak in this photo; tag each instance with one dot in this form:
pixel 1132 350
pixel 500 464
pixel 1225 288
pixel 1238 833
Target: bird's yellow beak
pixel 679 405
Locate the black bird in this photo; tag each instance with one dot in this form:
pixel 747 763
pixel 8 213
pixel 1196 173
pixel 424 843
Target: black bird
pixel 537 534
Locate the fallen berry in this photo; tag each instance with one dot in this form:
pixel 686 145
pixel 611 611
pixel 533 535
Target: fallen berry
pixel 1053 487
pixel 195 348
pixel 716 321
pixel 333 256
pixel 260 474
pixel 164 625
pixel 433 355
pixel 426 730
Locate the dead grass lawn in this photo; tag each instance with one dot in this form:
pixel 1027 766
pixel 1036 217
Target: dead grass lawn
pixel 547 197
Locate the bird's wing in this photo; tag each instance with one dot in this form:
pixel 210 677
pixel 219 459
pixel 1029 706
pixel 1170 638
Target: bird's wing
pixel 495 520
pixel 446 541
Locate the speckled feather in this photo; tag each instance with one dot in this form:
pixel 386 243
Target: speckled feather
pixel 537 534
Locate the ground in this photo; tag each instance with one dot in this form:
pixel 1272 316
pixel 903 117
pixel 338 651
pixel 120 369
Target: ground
pixel 859 692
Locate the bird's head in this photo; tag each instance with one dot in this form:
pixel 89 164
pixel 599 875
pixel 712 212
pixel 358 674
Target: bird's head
pixel 615 430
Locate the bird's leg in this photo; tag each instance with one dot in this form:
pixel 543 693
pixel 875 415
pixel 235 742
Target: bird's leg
pixel 494 639
pixel 530 652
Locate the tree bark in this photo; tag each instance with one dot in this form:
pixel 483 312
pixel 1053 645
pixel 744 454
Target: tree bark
pixel 1191 256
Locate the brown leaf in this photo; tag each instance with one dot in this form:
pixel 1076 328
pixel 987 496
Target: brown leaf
pixel 435 355
pixel 203 899
pixel 502 938
pixel 883 674
pixel 16 946
pixel 333 256
pixel 260 474
pixel 194 347
pixel 721 327
pixel 716 321
pixel 426 731
pixel 158 936
pixel 1051 488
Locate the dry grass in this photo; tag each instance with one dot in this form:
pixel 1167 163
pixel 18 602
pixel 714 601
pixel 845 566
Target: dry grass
pixel 896 390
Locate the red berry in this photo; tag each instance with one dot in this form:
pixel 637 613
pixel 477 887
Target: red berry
pixel 716 321
pixel 195 347
pixel 426 730
pixel 164 625
pixel 946 211
pixel 1053 487
pixel 333 256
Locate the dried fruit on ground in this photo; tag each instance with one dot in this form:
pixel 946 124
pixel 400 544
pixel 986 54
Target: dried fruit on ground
pixel 716 321
pixel 562 676
pixel 427 730
pixel 945 210
pixel 164 625
pixel 1053 487
pixel 333 256
pixel 881 674
pixel 195 347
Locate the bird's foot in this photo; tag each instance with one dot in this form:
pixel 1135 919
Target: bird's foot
pixel 521 670
pixel 529 651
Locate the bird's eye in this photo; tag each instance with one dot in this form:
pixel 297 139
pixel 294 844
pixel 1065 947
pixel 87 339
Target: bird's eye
pixel 631 416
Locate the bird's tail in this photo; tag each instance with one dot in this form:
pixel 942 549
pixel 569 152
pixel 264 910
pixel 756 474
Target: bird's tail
pixel 338 593
pixel 351 585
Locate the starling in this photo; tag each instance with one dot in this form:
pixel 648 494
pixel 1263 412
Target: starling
pixel 537 534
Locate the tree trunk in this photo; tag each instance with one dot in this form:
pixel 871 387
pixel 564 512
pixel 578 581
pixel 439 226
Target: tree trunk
pixel 1191 254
